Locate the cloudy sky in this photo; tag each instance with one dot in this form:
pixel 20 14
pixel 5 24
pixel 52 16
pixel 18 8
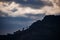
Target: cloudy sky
pixel 16 14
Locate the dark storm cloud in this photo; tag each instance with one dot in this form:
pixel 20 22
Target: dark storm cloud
pixel 5 0
pixel 30 3
pixel 34 3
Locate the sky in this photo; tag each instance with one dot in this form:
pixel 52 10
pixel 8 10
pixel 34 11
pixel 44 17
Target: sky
pixel 16 14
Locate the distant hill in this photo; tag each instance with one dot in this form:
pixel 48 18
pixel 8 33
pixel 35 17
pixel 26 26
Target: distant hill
pixel 47 29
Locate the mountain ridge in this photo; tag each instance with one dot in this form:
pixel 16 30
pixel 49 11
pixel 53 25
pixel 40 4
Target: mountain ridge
pixel 47 29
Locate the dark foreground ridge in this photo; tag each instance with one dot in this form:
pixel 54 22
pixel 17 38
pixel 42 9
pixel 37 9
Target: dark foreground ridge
pixel 47 29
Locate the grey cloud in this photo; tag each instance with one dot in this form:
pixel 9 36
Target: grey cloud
pixel 36 16
pixel 3 14
pixel 31 3
pixel 14 10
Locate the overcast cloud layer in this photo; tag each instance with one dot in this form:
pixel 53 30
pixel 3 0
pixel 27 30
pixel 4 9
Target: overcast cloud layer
pixel 21 7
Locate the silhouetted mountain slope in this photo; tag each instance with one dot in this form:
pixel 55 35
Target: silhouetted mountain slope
pixel 47 29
